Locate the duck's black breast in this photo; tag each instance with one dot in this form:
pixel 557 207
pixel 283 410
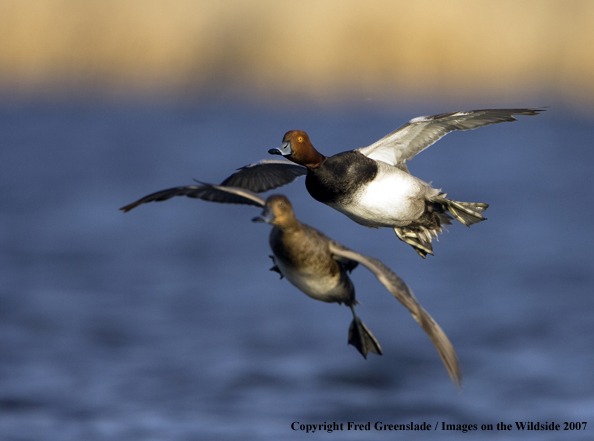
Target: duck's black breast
pixel 339 177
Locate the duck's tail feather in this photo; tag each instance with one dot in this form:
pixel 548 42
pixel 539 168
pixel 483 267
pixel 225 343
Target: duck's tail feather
pixel 362 338
pixel 468 213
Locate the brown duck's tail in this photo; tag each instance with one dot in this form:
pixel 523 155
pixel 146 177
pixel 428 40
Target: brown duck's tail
pixel 362 338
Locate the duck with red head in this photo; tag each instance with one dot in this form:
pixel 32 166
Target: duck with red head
pixel 372 185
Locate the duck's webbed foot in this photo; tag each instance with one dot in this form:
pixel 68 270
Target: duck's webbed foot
pixel 275 268
pixel 420 242
pixel 362 338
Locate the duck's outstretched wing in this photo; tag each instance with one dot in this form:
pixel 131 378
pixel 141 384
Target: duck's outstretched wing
pixel 419 133
pixel 265 175
pixel 206 192
pixel 404 295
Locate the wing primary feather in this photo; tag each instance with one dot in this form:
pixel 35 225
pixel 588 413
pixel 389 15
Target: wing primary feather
pixel 206 192
pixel 265 175
pixel 423 131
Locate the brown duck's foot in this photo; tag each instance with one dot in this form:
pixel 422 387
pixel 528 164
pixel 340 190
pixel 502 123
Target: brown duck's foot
pixel 275 268
pixel 362 338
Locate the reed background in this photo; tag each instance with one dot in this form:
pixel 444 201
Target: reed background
pixel 317 50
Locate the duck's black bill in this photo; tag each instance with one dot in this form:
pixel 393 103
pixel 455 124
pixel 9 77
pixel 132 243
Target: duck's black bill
pixel 284 149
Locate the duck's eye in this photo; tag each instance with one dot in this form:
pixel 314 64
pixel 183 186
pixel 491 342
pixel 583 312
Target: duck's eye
pixel 281 204
pixel 300 139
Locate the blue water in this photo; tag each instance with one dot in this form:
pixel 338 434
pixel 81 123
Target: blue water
pixel 165 324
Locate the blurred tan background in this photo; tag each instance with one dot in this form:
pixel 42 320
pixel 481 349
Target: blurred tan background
pixel 320 49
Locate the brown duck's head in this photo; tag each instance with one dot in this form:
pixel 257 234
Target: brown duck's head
pixel 297 147
pixel 278 211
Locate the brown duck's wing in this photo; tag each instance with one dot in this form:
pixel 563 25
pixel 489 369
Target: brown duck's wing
pixel 421 132
pixel 396 286
pixel 265 175
pixel 206 192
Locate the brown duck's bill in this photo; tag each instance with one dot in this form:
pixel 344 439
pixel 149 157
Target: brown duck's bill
pixel 266 216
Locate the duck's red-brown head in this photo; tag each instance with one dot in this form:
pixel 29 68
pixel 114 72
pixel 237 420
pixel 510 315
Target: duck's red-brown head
pixel 298 148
